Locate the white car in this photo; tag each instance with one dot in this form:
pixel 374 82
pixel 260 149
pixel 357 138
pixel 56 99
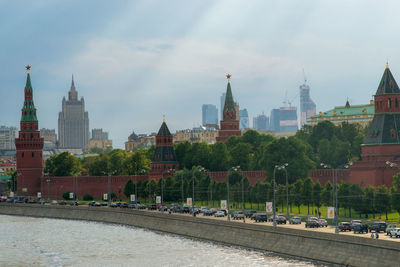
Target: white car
pixel 54 202
pixel 219 213
pixel 395 232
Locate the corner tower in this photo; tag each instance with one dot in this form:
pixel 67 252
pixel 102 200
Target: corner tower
pixel 164 160
pixel 230 120
pixel 29 146
pixel 383 138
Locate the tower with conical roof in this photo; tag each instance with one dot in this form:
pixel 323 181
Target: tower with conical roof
pixel 382 142
pixel 73 121
pixel 29 146
pixel 164 160
pixel 229 124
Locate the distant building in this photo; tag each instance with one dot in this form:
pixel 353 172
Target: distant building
pixel 284 119
pixel 222 101
pixel 307 106
pixel 197 135
pixel 7 137
pixel 136 142
pixel 73 122
pixel 362 114
pixel 49 135
pixel 243 119
pixel 230 120
pixel 99 140
pixel 261 122
pixel 98 134
pixel 209 114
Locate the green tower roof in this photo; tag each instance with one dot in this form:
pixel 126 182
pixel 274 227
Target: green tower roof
pixel 388 84
pixel 28 110
pixel 229 103
pixel 164 131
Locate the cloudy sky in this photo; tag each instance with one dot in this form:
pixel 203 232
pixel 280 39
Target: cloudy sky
pixel 134 61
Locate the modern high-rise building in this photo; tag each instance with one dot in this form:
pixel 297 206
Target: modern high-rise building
pixel 73 121
pixel 243 119
pixel 209 114
pixel 261 122
pixel 307 106
pixel 7 137
pixel 284 119
pixel 222 99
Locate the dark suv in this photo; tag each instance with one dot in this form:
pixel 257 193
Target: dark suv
pixel 360 228
pixel 258 217
pixel 378 227
pixel 312 224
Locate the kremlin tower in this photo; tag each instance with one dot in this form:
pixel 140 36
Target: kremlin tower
pixel 230 121
pixel 29 146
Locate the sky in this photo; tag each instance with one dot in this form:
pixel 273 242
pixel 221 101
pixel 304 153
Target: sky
pixel 136 61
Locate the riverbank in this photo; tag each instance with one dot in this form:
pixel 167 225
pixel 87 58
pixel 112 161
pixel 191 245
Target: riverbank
pixel 339 249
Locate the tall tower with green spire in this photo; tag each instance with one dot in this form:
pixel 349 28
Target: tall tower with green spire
pixel 230 120
pixel 29 146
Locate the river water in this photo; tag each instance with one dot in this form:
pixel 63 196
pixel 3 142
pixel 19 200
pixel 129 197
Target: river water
pixel 26 241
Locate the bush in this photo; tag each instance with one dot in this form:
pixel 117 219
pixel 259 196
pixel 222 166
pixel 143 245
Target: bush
pixel 65 195
pixel 87 197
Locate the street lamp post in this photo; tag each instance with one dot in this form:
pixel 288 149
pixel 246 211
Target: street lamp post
pixel 201 169
pixel 281 167
pixel 335 178
pixel 227 184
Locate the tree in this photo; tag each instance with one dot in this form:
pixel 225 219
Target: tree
pixel 63 164
pixel 327 194
pixel 382 200
pixel 241 155
pixel 395 193
pixel 136 161
pixel 297 193
pixel 306 193
pixel 219 157
pixel 356 199
pixel 368 200
pixel 317 192
pixel 129 188
pixel 343 195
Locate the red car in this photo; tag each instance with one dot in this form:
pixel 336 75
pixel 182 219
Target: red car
pixel 344 226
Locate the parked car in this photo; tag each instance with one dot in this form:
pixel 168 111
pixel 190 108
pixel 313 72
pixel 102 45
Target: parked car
pixel 378 227
pixel 186 209
pixel 395 232
pixel 224 211
pixel 62 202
pixel 54 202
pixel 91 203
pixel 207 213
pixel 354 222
pixel 132 206
pixel 323 223
pixel 295 220
pixel 311 223
pixel 344 226
pixel 238 215
pixel 162 208
pixel 141 206
pixel 103 204
pixel 97 204
pixel 176 209
pixel 250 213
pixel 259 217
pixel 389 228
pixel 152 206
pixel 114 205
pixel 74 203
pixel 360 228
pixel 123 205
pixel 219 213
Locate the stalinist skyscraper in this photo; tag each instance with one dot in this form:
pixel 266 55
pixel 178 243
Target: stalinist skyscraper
pixel 73 121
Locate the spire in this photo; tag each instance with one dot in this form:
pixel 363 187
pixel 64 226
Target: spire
pixel 229 105
pixel 347 103
pixel 388 84
pixel 72 94
pixel 164 131
pixel 28 110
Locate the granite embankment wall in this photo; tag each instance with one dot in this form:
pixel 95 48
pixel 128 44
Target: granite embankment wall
pixel 339 249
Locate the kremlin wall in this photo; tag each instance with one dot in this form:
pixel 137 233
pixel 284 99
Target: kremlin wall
pixel 381 145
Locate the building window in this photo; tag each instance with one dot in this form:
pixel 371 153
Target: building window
pixel 396 103
pixel 33 154
pixel 22 154
pixel 389 103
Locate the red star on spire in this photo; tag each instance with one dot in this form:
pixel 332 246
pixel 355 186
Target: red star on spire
pixel 28 68
pixel 228 76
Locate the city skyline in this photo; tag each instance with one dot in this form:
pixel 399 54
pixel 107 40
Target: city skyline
pixel 135 56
